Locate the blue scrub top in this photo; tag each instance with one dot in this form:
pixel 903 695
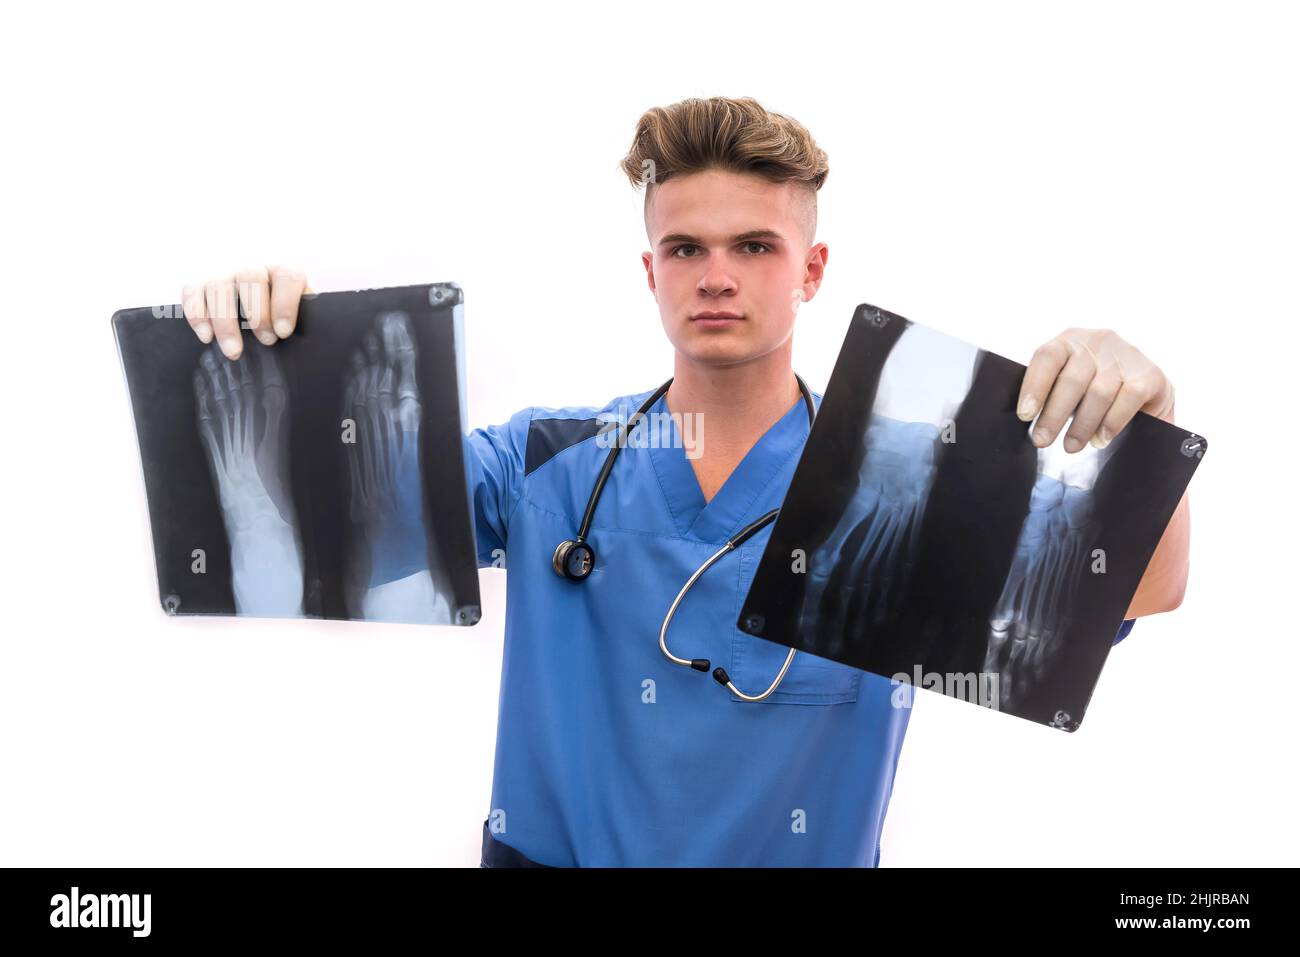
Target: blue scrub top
pixel 607 753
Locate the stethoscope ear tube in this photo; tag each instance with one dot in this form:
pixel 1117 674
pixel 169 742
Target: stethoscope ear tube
pixel 720 674
pixel 750 530
pixel 702 664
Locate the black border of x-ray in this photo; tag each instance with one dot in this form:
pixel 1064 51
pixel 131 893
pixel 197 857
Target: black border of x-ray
pixel 1144 482
pixel 159 353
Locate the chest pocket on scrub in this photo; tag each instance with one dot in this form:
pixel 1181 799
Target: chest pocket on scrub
pixel 754 662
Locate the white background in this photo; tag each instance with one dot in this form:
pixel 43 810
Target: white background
pixel 1000 171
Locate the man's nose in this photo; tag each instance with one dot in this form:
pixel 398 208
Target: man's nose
pixel 717 282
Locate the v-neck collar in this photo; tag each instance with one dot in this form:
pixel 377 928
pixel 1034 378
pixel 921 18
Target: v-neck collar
pixel 731 505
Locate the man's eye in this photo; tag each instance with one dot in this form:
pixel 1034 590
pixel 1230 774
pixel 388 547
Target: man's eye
pixel 762 248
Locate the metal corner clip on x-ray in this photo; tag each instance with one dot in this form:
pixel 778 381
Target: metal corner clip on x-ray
pixel 574 558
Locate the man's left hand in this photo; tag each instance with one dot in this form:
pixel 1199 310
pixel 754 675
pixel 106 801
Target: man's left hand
pixel 1098 377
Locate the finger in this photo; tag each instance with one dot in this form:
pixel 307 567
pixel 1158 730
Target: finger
pixel 287 288
pixel 1168 413
pixel 196 313
pixel 254 288
pixel 1092 410
pixel 1048 360
pixel 1134 394
pixel 1161 405
pixel 1067 391
pixel 223 313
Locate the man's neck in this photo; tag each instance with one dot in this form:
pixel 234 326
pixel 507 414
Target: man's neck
pixel 738 404
pixel 762 390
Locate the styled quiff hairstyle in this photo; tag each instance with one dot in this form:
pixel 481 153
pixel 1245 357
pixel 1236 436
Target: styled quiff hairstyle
pixel 737 135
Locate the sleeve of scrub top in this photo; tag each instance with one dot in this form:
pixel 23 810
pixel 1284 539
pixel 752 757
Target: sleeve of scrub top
pixel 1124 629
pixel 495 456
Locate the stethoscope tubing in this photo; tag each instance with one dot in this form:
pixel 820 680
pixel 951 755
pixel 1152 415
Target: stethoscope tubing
pixel 580 541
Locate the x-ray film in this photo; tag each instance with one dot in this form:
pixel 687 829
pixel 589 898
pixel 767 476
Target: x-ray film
pixel 321 477
pixel 926 539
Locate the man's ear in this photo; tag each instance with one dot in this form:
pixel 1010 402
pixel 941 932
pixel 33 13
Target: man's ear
pixel 815 267
pixel 648 260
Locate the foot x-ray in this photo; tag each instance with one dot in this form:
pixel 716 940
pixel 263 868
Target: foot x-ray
pixel 321 477
pixel 926 539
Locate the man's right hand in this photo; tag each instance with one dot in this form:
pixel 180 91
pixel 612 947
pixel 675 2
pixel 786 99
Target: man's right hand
pixel 269 295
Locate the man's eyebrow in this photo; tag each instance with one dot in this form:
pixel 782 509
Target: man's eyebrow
pixel 739 238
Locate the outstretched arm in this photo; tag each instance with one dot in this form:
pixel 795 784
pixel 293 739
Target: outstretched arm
pixel 1165 579
pixel 1103 381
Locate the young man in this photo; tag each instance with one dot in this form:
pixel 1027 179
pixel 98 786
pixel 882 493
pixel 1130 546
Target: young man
pixel 607 752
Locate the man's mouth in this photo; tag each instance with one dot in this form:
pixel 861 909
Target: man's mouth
pixel 716 318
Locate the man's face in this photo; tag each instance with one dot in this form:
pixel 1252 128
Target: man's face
pixel 730 243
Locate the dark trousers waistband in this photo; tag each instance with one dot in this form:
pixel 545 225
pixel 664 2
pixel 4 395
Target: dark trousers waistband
pixel 498 854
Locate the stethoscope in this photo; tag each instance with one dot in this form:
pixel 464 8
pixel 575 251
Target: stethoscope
pixel 575 558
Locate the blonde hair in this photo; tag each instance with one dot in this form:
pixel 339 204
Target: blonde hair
pixel 737 135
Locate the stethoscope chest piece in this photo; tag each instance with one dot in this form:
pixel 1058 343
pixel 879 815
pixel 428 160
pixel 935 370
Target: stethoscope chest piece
pixel 573 560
